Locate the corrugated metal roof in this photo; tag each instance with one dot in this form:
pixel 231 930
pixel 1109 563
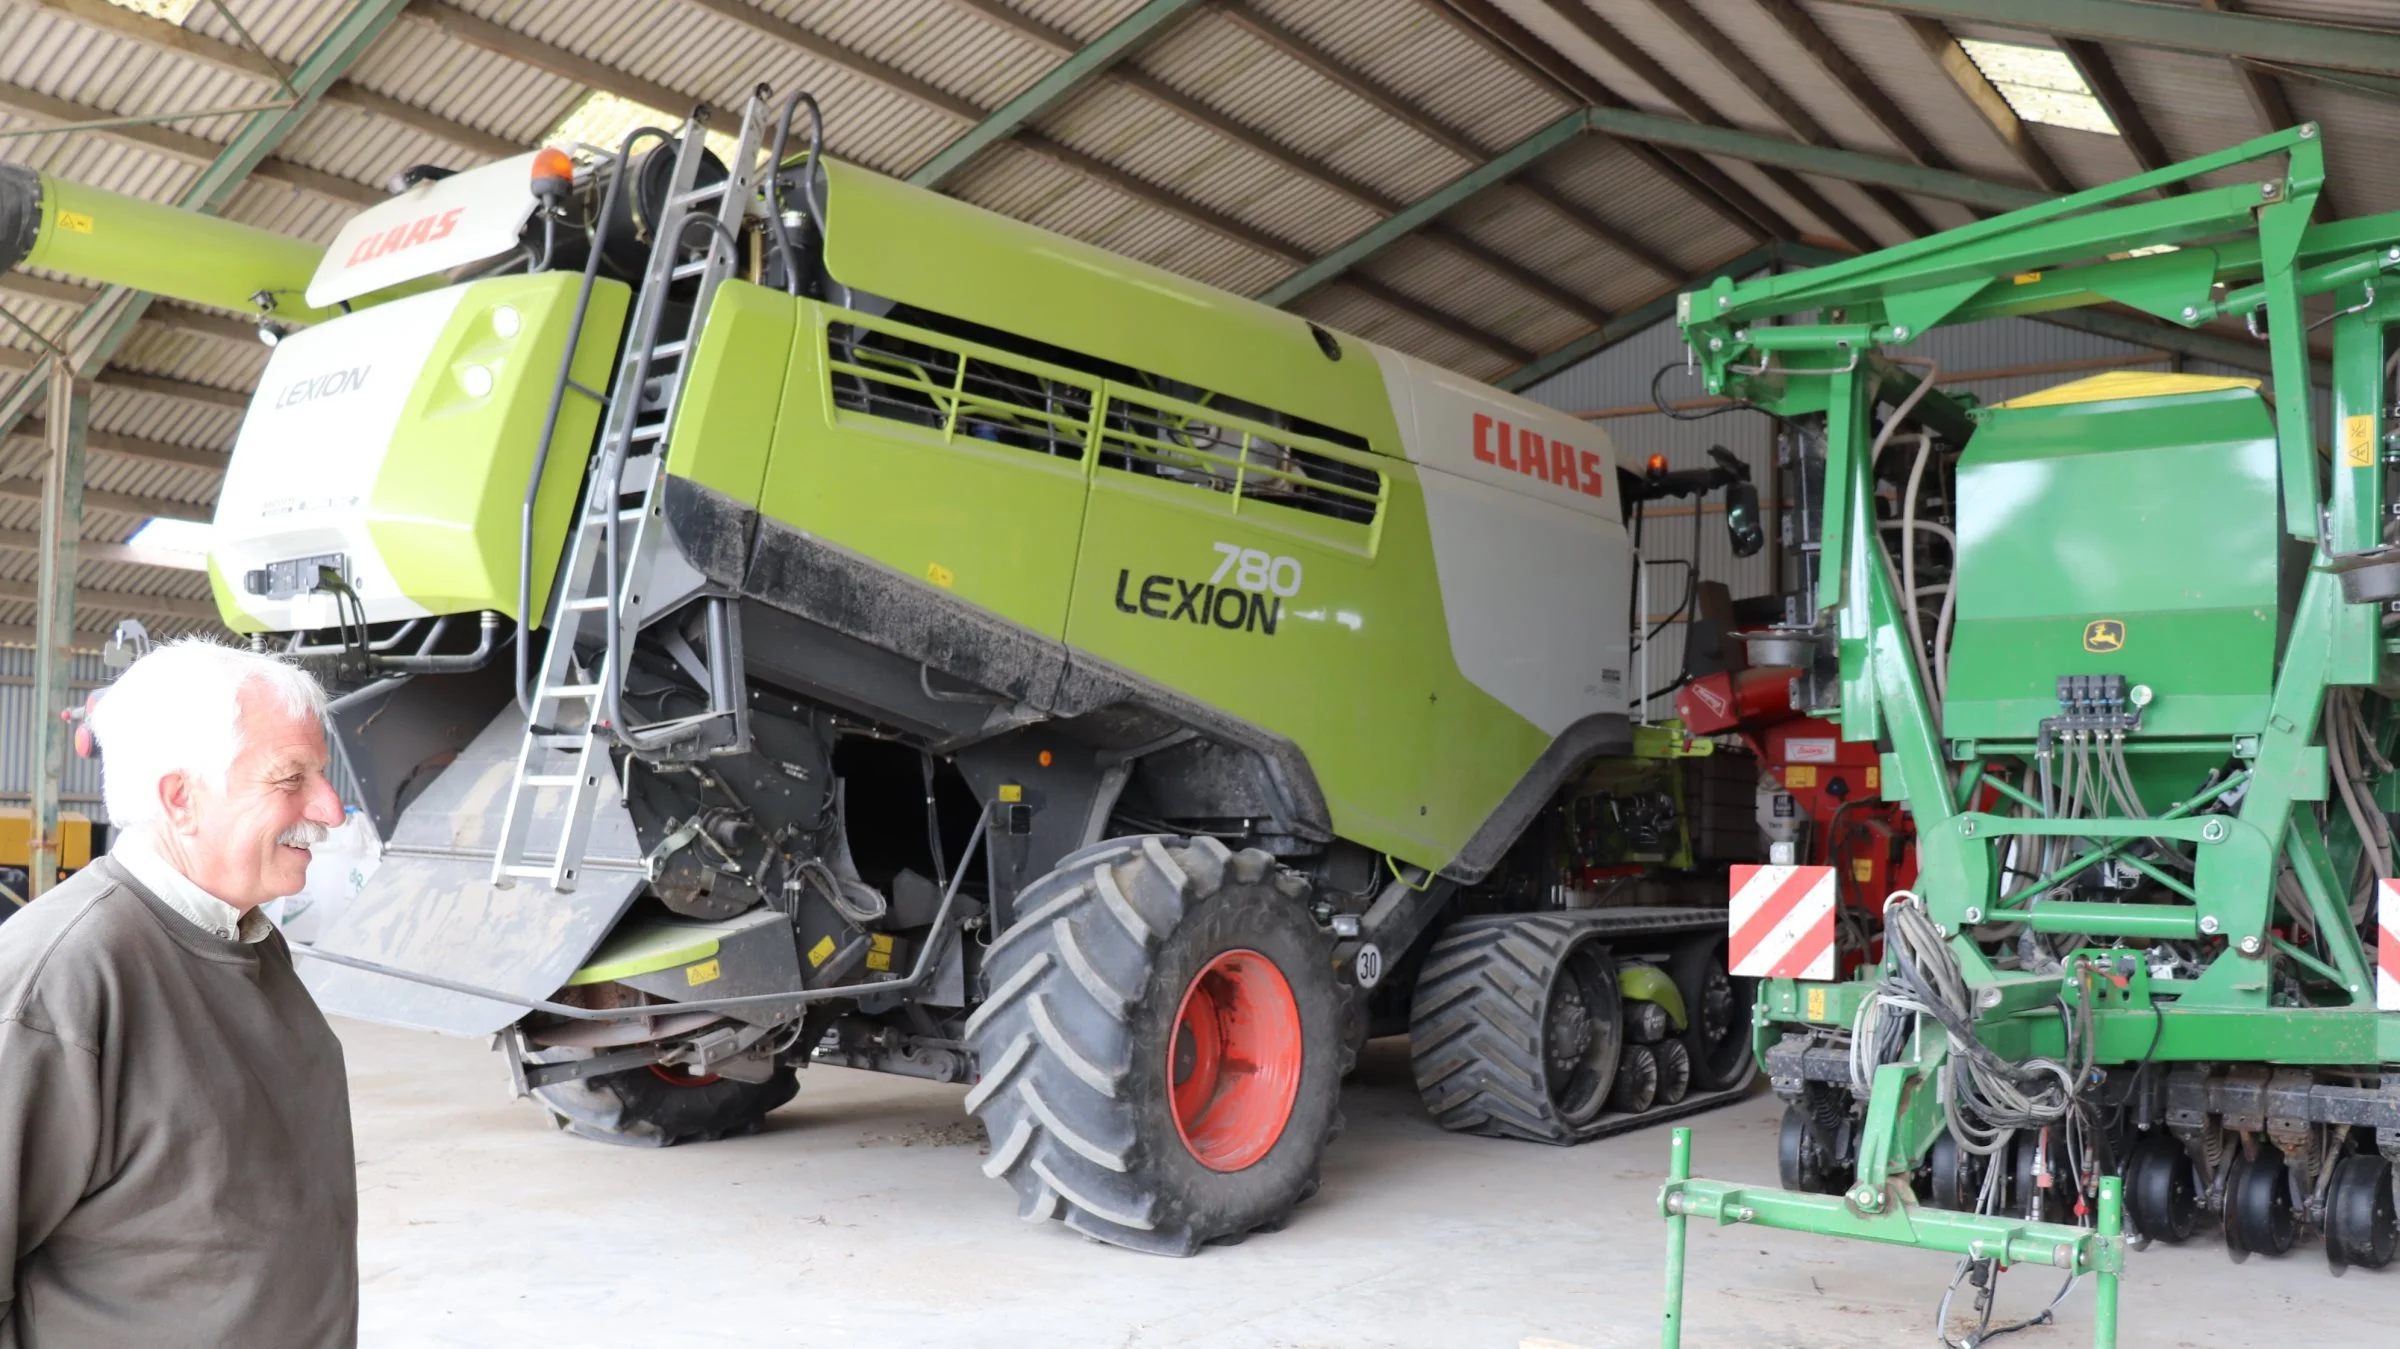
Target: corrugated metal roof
pixel 1455 83
pixel 1404 46
pixel 1881 45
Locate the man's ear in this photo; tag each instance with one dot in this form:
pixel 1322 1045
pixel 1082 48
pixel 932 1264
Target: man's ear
pixel 175 801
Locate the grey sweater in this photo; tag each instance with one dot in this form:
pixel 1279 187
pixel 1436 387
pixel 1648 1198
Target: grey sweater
pixel 175 1164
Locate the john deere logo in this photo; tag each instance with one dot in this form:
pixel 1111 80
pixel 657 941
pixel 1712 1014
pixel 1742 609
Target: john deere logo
pixel 2103 635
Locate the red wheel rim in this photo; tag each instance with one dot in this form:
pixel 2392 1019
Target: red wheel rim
pixel 1233 1063
pixel 678 1077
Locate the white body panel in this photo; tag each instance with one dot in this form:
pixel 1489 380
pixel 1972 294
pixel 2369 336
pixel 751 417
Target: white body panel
pixel 1536 568
pixel 427 230
pixel 305 464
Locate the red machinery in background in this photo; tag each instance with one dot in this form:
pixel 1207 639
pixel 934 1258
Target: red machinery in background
pixel 1820 797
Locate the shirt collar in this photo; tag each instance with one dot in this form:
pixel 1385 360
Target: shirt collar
pixel 176 890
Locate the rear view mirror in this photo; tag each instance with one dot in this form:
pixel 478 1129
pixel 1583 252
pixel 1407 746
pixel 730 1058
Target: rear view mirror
pixel 1742 526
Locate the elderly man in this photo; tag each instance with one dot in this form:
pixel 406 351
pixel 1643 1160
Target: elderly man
pixel 175 1165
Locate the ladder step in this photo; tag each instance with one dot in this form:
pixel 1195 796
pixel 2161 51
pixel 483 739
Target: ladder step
pixel 674 348
pixel 629 513
pixel 529 873
pixel 651 432
pixel 552 779
pixel 586 605
pixel 709 192
pixel 562 691
pixel 689 269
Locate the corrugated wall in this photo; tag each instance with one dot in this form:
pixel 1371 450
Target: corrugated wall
pixel 81 790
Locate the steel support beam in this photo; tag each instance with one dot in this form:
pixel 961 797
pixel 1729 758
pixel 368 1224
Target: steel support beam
pixel 2139 330
pixel 1797 119
pixel 1855 166
pixel 158 33
pixel 1851 165
pixel 1434 318
pixel 172 318
pixel 68 416
pixel 108 321
pixel 1657 309
pixel 1968 78
pixel 1424 210
pixel 175 607
pixel 1802 29
pixel 43 110
pixel 95 550
pixel 2273 106
pixel 16 358
pixel 2091 60
pixel 1064 81
pixel 134 448
pixel 114 503
pixel 1626 52
pixel 2373 51
pixel 1537 61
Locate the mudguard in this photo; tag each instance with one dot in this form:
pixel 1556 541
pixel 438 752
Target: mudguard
pixel 431 907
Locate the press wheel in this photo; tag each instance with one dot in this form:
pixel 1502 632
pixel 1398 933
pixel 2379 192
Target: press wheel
pixel 2162 1191
pixel 2258 1206
pixel 2361 1227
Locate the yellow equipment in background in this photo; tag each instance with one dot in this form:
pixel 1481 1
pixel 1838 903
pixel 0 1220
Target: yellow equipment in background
pixel 16 838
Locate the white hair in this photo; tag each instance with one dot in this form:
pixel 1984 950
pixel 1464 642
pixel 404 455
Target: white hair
pixel 178 710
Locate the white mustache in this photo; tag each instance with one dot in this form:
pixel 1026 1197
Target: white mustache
pixel 306 834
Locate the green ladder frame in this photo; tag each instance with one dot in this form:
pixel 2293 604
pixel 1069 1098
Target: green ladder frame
pixel 2255 239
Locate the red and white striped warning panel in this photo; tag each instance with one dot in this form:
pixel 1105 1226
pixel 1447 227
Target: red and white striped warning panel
pixel 2387 947
pixel 1782 923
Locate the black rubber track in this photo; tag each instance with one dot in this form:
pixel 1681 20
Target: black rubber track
pixel 1072 1042
pixel 1476 1032
pixel 640 1109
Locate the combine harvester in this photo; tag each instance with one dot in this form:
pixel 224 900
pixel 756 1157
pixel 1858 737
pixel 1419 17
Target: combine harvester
pixel 954 651
pixel 2147 743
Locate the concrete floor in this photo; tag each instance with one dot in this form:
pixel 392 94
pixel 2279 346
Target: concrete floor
pixel 858 1217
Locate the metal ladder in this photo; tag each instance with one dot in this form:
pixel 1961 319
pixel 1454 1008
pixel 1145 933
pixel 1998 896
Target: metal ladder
pixel 575 709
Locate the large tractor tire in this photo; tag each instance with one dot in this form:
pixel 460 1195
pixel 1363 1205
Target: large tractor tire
pixel 1518 1029
pixel 1161 1046
pixel 657 1107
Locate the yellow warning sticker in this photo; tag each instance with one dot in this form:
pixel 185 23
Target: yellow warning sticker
pixel 821 952
pixel 1862 869
pixel 2358 442
pixel 74 222
pixel 1816 1004
pixel 939 575
pixel 1874 778
pixel 2026 278
pixel 1800 775
pixel 705 972
pixel 1011 792
pixel 879 951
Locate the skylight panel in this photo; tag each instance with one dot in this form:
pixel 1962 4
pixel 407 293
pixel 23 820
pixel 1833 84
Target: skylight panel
pixel 2041 85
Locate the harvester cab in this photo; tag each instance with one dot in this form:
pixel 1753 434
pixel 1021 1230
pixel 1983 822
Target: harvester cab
pixel 783 615
pixel 2137 705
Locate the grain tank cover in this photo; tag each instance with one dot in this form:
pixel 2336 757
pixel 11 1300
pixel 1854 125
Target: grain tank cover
pixel 2125 527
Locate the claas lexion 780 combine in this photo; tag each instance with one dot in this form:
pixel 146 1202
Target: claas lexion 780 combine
pixel 780 614
pixel 2147 982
